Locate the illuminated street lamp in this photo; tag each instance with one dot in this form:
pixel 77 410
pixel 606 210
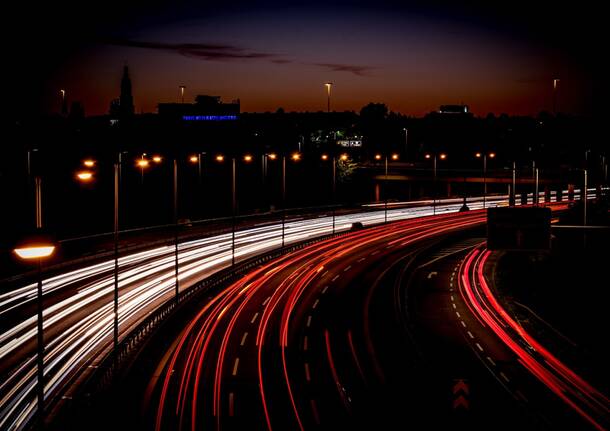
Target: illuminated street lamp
pixel 429 156
pixel 220 158
pixel 324 157
pixel 89 163
pixel 157 159
pixel 296 157
pixel 377 156
pixel 84 176
pixel 484 156
pixel 328 86
pixel 194 159
pixel 343 157
pixel 37 248
pixel 247 158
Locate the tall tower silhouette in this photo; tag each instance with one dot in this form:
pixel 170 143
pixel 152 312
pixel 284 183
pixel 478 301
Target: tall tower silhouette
pixel 126 99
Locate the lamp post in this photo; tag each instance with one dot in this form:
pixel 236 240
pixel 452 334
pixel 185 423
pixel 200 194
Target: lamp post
pixel 513 197
pixel 182 88
pixel 378 157
pixel 325 157
pixel 328 86
pixel 406 142
pixel 441 156
pixel 555 82
pixel 37 249
pixel 176 228
pixel 484 156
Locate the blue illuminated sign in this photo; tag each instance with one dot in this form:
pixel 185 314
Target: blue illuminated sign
pixel 209 117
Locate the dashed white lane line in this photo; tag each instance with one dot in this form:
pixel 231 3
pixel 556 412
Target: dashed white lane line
pixel 324 290
pixel 454 307
pixel 479 346
pixel 375 252
pixel 491 361
pixel 347 268
pixel 307 376
pixel 266 300
pixel 315 304
pixel 361 259
pixel 325 272
pixel 305 343
pixel 463 324
pixel 470 334
pixel 254 317
pixel 335 277
pixel 504 377
pixel 243 339
pixel 457 313
pixel 452 298
pixel 231 404
pixel 519 394
pixel 308 321
pixel 235 365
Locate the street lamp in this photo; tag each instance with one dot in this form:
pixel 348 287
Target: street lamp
pixel 441 156
pixel 37 248
pixel 406 141
pixel 84 176
pixel 484 156
pixel 328 86
pixel 89 163
pixel 182 88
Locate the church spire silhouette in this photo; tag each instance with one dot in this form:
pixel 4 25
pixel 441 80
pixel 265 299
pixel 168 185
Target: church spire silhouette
pixel 126 98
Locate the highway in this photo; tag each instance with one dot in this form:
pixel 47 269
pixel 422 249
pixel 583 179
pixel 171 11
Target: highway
pixel 78 304
pixel 293 344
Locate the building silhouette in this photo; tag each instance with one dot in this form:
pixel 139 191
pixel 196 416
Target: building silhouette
pixel 123 106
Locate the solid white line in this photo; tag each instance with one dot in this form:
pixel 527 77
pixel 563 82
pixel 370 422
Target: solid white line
pixel 235 366
pixel 243 339
pixel 479 346
pixel 470 334
pixel 254 317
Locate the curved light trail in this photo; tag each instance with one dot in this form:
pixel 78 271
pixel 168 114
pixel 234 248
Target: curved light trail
pixel 588 402
pixel 78 310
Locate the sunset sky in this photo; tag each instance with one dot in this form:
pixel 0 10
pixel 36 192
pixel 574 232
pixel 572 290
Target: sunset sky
pixel 413 56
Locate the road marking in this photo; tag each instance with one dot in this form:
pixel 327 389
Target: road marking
pixel 347 268
pixel 451 298
pixel 504 377
pixel 479 346
pixel 254 317
pixel 361 259
pixel 520 395
pixel 325 272
pixel 314 410
pixel 457 313
pixel 432 274
pixel 235 366
pixel 243 339
pixel 315 304
pixel 463 324
pixel 470 334
pixel 451 284
pixel 231 404
pixel 335 277
pixel 454 307
pixel 375 252
pixel 491 361
pixel 324 290
pixel 307 376
pixel 305 343
pixel 266 300
pixel 308 321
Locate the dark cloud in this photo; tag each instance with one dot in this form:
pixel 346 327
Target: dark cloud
pixel 203 51
pixel 220 52
pixel 350 68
